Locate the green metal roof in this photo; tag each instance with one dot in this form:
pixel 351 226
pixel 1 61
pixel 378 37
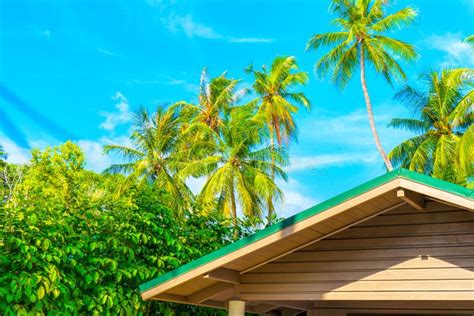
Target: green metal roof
pixel 321 207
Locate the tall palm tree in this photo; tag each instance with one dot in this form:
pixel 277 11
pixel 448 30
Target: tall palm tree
pixel 152 155
pixel 239 171
pixel 444 113
pixel 278 102
pixel 361 38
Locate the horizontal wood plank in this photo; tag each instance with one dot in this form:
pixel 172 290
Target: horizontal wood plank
pixel 350 265
pixel 363 296
pixel 430 207
pixel 361 286
pixel 370 254
pixel 393 242
pixel 407 230
pixel 420 218
pixel 372 275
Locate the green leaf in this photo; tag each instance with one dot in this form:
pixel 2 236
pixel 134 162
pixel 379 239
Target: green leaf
pixel 33 219
pixel 46 244
pixel 40 293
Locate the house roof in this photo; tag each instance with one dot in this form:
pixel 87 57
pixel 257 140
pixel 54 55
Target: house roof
pixel 166 281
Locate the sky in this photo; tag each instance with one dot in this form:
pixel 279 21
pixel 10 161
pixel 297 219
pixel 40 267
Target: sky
pixel 78 69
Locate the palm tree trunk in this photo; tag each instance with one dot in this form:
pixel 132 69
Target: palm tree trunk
pixel 233 206
pixel 368 104
pixel 271 208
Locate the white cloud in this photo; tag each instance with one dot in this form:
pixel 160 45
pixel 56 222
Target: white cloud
pixel 353 128
pixel 456 51
pixel 295 198
pixel 15 153
pixel 343 140
pixel 96 160
pixel 309 164
pixel 123 116
pixel 187 25
pixel 107 52
pixel 46 33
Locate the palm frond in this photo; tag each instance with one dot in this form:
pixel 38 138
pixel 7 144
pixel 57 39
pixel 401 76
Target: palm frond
pixel 396 20
pixel 396 47
pixel 412 125
pixel 326 39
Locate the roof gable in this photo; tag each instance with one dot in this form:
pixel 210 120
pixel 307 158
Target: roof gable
pixel 424 180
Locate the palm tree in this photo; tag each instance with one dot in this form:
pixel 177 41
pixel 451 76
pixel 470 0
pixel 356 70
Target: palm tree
pixel 278 102
pixel 444 113
pixel 152 155
pixel 239 171
pixel 361 38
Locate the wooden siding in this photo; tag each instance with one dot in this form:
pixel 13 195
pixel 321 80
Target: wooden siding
pixel 403 254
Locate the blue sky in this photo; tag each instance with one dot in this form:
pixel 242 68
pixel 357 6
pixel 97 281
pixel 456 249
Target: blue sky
pixel 77 69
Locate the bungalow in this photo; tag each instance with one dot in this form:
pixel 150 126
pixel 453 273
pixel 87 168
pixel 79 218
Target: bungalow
pixel 402 243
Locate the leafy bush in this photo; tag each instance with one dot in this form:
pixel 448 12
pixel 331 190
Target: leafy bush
pixel 70 245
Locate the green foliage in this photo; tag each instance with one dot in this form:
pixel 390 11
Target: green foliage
pixel 443 122
pixel 70 245
pixel 62 169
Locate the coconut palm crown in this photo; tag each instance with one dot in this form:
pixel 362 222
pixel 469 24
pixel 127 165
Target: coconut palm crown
pixel 361 37
pixel 443 121
pixel 152 155
pixel 278 99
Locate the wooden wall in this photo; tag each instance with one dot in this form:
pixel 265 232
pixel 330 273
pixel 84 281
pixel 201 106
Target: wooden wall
pixel 404 254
